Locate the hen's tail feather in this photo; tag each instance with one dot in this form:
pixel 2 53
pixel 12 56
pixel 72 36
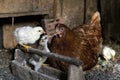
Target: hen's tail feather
pixel 95 18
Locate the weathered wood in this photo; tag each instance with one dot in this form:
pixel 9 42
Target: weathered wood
pixel 21 60
pixel 75 73
pixel 56 56
pixel 110 20
pixel 5 15
pixel 106 19
pixel 25 7
pixel 47 70
pixel 71 11
pixel 8 38
pixel 91 8
pixel 26 73
pixel 1 39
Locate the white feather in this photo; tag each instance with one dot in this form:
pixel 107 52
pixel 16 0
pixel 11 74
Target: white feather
pixel 108 53
pixel 28 34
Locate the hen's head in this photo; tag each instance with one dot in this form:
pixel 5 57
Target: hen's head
pixel 60 33
pixel 61 30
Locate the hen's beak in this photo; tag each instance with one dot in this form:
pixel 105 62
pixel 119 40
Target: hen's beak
pixel 50 37
pixel 54 34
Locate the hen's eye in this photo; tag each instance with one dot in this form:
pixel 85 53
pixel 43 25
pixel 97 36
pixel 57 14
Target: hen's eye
pixel 62 29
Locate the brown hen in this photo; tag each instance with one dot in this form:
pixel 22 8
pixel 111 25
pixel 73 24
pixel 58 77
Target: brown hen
pixel 83 43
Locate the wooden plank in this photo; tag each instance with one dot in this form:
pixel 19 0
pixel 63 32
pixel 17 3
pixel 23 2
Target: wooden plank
pixel 43 6
pixel 106 19
pixel 75 73
pixel 71 11
pixel 52 72
pixel 110 20
pixel 115 14
pixel 5 15
pixel 44 73
pixel 1 39
pixel 26 73
pixel 91 8
pixel 12 8
pixel 8 38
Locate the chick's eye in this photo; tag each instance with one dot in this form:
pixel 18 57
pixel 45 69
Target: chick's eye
pixel 45 37
pixel 39 31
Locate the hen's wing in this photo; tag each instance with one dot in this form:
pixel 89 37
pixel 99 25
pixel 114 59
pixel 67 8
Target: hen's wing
pixel 91 32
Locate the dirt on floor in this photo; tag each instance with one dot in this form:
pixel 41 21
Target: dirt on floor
pixel 107 71
pixel 5 60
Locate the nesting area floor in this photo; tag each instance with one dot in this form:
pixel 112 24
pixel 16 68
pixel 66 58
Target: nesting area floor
pixel 5 60
pixel 109 71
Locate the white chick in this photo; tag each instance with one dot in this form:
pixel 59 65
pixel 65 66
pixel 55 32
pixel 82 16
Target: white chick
pixel 37 61
pixel 28 35
pixel 108 53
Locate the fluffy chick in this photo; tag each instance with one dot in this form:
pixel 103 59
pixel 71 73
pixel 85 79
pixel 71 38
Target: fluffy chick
pixel 108 53
pixel 36 60
pixel 28 35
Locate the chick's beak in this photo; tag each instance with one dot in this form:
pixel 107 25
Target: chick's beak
pixel 43 32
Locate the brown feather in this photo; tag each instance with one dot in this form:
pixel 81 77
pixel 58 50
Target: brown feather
pixel 83 43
